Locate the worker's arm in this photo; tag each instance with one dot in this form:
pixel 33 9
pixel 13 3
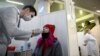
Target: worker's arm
pixel 35 32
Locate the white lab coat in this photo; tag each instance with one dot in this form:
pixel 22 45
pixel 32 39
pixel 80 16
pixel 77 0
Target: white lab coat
pixel 81 42
pixel 91 44
pixel 8 28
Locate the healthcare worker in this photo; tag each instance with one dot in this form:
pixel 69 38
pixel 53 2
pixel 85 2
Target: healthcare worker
pixel 90 41
pixel 9 23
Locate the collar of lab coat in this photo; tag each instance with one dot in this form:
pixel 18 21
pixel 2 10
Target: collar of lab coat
pixel 17 10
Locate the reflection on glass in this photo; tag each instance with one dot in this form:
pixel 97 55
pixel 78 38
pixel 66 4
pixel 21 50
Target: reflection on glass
pixel 56 6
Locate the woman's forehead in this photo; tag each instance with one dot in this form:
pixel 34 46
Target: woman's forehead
pixel 45 27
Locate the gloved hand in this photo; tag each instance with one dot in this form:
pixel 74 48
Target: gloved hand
pixel 36 32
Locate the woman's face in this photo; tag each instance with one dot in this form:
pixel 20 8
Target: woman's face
pixel 45 29
pixel 45 33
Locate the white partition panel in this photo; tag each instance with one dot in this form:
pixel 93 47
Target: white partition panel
pixel 59 20
pixel 56 18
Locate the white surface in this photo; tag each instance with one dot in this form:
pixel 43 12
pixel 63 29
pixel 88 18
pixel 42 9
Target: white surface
pixel 72 32
pixel 56 18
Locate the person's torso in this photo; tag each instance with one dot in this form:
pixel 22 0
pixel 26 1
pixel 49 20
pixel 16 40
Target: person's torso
pixel 4 38
pixel 92 45
pixel 49 51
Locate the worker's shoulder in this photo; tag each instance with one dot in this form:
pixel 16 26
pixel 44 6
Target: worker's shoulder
pixel 8 8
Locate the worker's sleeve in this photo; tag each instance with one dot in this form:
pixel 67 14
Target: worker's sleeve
pixel 9 18
pixel 85 40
